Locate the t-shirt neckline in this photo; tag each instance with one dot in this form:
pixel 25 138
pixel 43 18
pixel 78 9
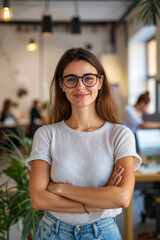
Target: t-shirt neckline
pixel 71 130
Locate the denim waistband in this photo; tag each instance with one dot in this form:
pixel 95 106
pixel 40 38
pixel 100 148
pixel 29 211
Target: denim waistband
pixel 49 219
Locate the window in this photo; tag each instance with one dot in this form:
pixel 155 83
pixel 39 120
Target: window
pixel 151 72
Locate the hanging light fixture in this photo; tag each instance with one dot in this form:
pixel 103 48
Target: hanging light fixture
pixel 31 46
pixel 6 12
pixel 76 24
pixel 46 22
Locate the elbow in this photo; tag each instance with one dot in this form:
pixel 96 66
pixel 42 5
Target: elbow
pixel 36 204
pixel 125 200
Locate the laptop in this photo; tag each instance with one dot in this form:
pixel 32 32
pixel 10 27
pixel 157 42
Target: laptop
pixel 148 142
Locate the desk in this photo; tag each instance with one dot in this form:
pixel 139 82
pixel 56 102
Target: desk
pixel 22 123
pixel 139 177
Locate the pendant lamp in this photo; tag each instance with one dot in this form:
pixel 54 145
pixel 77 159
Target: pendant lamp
pixel 46 22
pixel 6 12
pixel 76 24
pixel 31 46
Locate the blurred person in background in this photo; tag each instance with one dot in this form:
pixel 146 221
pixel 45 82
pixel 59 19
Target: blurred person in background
pixel 8 121
pixel 133 115
pixel 8 118
pixel 36 119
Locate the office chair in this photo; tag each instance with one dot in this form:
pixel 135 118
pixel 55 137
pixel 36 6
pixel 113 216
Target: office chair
pixel 153 235
pixel 150 196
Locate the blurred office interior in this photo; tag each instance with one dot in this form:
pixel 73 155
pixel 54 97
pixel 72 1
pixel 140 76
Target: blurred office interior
pixel 127 48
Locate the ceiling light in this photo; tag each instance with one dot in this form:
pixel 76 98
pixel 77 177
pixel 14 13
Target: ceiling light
pixel 31 46
pixel 76 24
pixel 46 21
pixel 46 25
pixel 6 12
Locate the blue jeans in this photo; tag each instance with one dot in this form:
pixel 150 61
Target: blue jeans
pixel 51 228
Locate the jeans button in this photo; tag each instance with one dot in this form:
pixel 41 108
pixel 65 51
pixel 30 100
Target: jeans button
pixel 78 229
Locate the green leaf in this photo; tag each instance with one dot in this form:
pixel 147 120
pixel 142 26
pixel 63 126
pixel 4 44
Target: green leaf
pixel 15 202
pixel 149 11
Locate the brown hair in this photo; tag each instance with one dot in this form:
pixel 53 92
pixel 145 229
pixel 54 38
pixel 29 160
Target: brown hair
pixel 60 107
pixel 6 106
pixel 144 98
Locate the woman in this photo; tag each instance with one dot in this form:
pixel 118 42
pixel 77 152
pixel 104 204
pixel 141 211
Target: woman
pixel 133 114
pixel 35 118
pixel 78 152
pixel 9 121
pixel 7 116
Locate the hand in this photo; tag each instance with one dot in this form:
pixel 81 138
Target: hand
pixel 116 176
pixel 51 187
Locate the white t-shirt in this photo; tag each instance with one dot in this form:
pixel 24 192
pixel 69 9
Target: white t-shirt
pixel 131 118
pixel 83 159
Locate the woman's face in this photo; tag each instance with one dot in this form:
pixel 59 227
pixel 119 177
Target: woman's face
pixel 144 107
pixel 81 96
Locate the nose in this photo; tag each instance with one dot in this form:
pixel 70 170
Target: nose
pixel 80 83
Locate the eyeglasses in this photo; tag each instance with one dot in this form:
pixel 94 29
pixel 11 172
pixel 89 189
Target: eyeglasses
pixel 88 79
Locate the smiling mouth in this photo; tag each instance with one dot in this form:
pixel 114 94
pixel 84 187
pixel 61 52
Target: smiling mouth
pixel 81 95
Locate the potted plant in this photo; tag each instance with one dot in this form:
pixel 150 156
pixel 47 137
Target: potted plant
pixel 15 203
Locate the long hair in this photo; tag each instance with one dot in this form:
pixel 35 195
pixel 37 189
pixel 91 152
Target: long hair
pixel 60 107
pixel 6 106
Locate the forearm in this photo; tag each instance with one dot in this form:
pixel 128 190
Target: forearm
pixel 103 197
pixel 110 196
pixel 147 124
pixel 45 200
pixel 117 193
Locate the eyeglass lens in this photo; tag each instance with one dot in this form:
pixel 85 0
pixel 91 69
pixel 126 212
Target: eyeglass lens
pixel 89 80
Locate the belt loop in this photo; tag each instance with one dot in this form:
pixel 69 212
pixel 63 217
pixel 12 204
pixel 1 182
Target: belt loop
pixel 57 226
pixel 95 230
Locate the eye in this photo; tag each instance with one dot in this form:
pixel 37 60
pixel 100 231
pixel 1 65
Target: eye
pixel 70 79
pixel 89 78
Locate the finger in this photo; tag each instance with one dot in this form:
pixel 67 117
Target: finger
pixel 118 180
pixel 115 176
pixel 117 172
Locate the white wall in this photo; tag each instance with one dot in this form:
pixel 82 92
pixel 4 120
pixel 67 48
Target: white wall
pixel 18 67
pixel 34 70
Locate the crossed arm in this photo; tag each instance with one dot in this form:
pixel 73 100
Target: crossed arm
pixel 68 198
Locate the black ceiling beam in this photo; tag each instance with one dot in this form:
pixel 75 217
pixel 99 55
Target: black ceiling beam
pixel 72 1
pixel 56 23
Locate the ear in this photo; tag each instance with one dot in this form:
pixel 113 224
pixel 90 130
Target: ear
pixel 101 81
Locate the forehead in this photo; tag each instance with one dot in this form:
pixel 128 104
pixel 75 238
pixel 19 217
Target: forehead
pixel 79 68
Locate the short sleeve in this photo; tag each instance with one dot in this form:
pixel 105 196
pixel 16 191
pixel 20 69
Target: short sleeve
pixel 125 146
pixel 41 146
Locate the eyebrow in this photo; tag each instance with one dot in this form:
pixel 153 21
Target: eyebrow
pixel 80 76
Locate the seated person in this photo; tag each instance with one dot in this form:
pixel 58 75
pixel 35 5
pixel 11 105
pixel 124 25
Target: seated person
pixel 132 117
pixel 9 120
pixel 7 116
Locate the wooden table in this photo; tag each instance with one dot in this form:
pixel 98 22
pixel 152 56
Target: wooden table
pixel 128 220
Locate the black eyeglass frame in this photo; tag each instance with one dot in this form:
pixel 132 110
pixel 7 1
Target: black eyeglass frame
pixel 77 77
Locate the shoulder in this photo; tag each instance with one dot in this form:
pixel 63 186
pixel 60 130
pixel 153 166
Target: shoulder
pixel 129 108
pixel 48 130
pixel 120 130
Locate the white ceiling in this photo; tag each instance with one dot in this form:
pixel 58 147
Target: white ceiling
pixel 101 10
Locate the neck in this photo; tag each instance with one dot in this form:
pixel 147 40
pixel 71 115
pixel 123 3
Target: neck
pixel 84 120
pixel 137 107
